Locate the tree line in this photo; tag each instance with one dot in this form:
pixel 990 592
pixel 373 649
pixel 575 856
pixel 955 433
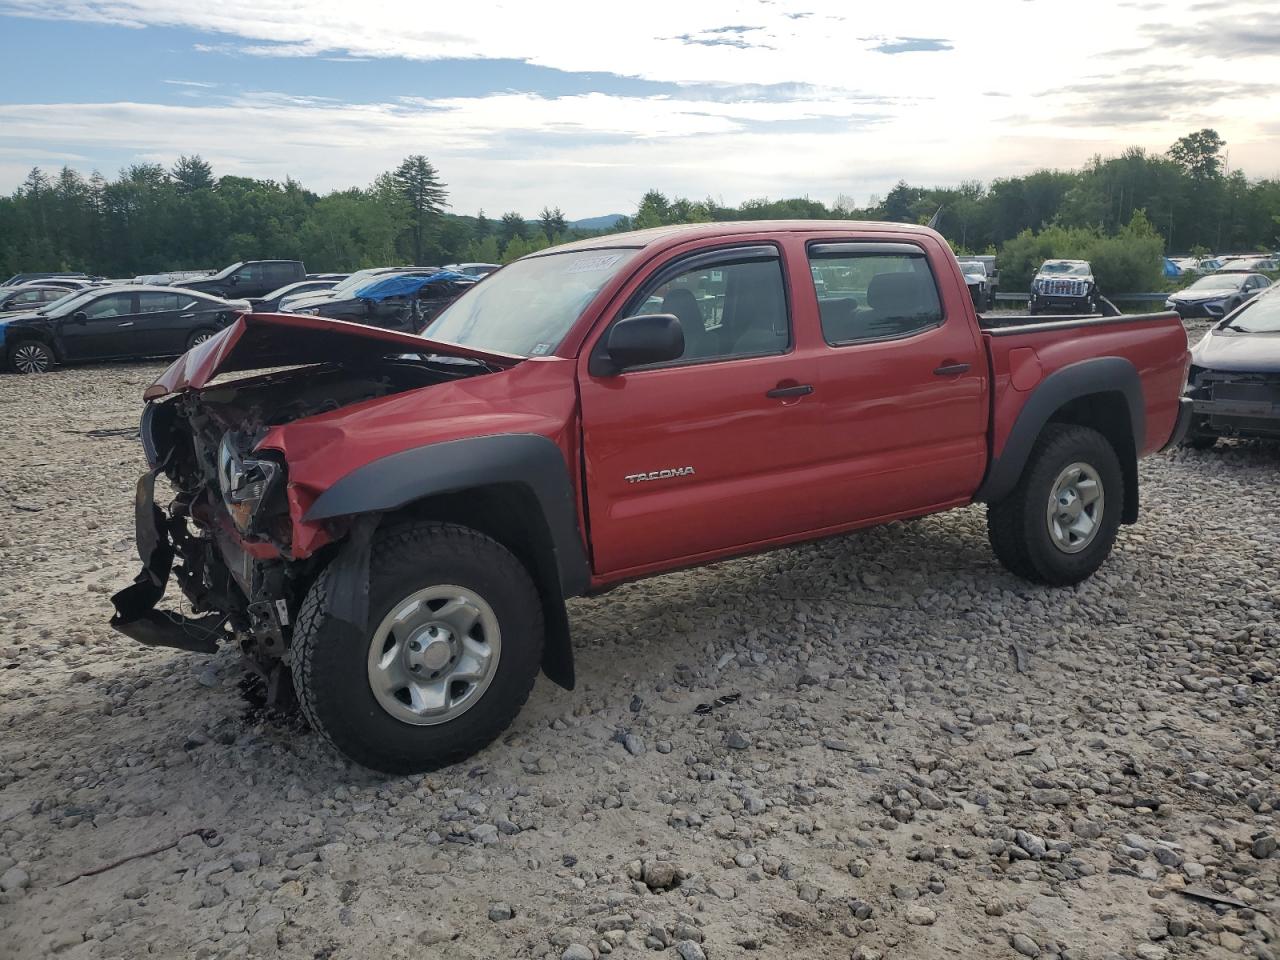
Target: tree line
pixel 151 219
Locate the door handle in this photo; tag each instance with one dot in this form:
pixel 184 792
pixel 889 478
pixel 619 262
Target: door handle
pixel 127 323
pixel 951 369
pixel 798 390
pixel 185 316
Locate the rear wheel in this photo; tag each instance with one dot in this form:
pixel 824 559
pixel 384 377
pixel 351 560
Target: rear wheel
pixel 449 653
pixel 30 356
pixel 1060 522
pixel 198 337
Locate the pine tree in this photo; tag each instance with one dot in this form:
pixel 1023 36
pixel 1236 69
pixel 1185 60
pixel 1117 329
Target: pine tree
pixel 419 184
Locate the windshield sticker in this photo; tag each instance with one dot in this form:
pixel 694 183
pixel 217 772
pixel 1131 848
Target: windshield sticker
pixel 592 264
pixel 540 350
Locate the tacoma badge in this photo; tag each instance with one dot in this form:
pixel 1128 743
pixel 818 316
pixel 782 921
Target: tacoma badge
pixel 668 474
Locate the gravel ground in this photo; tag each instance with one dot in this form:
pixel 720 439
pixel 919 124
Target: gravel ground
pixel 929 757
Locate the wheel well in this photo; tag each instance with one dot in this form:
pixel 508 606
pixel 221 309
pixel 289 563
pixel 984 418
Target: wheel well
pixel 22 336
pixel 1108 413
pixel 511 515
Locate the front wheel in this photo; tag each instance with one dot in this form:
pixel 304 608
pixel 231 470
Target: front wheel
pixel 1060 522
pixel 447 657
pixel 30 356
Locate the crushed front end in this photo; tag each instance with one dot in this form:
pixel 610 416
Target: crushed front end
pixel 226 534
pixel 1235 404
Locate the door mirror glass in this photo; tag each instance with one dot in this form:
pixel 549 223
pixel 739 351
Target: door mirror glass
pixel 649 338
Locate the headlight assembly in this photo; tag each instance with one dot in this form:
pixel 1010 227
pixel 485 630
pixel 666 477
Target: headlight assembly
pixel 246 484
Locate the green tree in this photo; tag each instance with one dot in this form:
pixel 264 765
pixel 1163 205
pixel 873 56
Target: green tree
pixel 511 227
pixel 426 198
pixel 1199 154
pixel 553 223
pixel 192 173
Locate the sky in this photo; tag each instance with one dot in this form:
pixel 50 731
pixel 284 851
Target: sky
pixel 587 105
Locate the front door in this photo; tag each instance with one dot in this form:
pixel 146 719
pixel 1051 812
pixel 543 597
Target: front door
pixel 706 454
pixel 902 383
pixel 104 330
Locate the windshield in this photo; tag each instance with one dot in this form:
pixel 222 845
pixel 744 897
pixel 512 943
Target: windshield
pixel 1258 316
pixel 1224 282
pixel 70 303
pixel 974 267
pixel 1062 268
pixel 223 274
pixel 527 307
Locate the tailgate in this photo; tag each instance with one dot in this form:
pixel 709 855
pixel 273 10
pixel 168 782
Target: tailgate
pixel 1025 355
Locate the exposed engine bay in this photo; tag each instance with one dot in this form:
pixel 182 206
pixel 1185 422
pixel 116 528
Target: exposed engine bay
pixel 225 535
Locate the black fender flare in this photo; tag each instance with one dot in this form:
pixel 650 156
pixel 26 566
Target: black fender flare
pixel 1072 382
pixel 528 460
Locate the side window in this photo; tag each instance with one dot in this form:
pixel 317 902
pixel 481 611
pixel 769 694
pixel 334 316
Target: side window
pixel 726 310
pixel 871 295
pixel 157 302
pixel 30 296
pixel 250 273
pixel 113 305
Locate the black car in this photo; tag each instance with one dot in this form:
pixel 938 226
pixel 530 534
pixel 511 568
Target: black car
pixel 399 301
pixel 110 323
pixel 30 297
pixel 271 302
pixel 18 278
pixel 1234 381
pixel 249 278
pixel 1217 295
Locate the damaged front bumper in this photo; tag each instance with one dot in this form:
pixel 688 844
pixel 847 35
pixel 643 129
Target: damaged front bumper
pixel 136 615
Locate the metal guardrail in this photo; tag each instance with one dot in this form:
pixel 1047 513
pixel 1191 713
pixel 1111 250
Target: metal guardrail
pixel 1114 298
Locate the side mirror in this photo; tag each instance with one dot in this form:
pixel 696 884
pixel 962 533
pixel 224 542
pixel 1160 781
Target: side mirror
pixel 80 317
pixel 648 338
pixel 235 278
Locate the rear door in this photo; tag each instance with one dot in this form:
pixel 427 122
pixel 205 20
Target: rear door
pixel 902 383
pixel 105 330
pixel 157 330
pixel 706 454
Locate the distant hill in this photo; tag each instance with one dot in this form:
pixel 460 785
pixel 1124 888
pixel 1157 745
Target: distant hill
pixel 597 223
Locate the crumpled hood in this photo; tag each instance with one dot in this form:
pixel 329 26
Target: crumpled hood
pixel 1241 353
pixel 259 341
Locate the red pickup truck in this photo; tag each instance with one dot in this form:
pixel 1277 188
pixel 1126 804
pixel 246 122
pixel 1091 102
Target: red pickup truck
pixel 389 524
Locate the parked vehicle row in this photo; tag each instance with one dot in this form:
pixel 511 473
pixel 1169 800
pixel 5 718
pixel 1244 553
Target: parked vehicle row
pixel 41 323
pixel 110 323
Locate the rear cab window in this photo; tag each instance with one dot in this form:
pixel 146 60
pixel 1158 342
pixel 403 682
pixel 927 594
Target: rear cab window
pixel 869 292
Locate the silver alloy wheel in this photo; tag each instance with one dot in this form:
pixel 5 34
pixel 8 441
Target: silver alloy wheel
pixel 1074 512
pixel 434 655
pixel 200 338
pixel 31 358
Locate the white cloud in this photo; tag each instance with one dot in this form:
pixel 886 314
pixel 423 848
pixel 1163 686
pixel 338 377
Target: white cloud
pixel 856 117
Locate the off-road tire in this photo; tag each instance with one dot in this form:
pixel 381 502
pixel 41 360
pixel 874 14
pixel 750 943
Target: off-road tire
pixel 16 353
pixel 1017 525
pixel 329 656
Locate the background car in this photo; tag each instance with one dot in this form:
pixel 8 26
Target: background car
pixel 399 301
pixel 28 297
pixel 249 278
pixel 271 302
pixel 110 323
pixel 476 270
pixel 1064 285
pixel 979 284
pixel 1216 295
pixel 300 303
pixel 1234 381
pixel 19 278
pixel 1249 265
